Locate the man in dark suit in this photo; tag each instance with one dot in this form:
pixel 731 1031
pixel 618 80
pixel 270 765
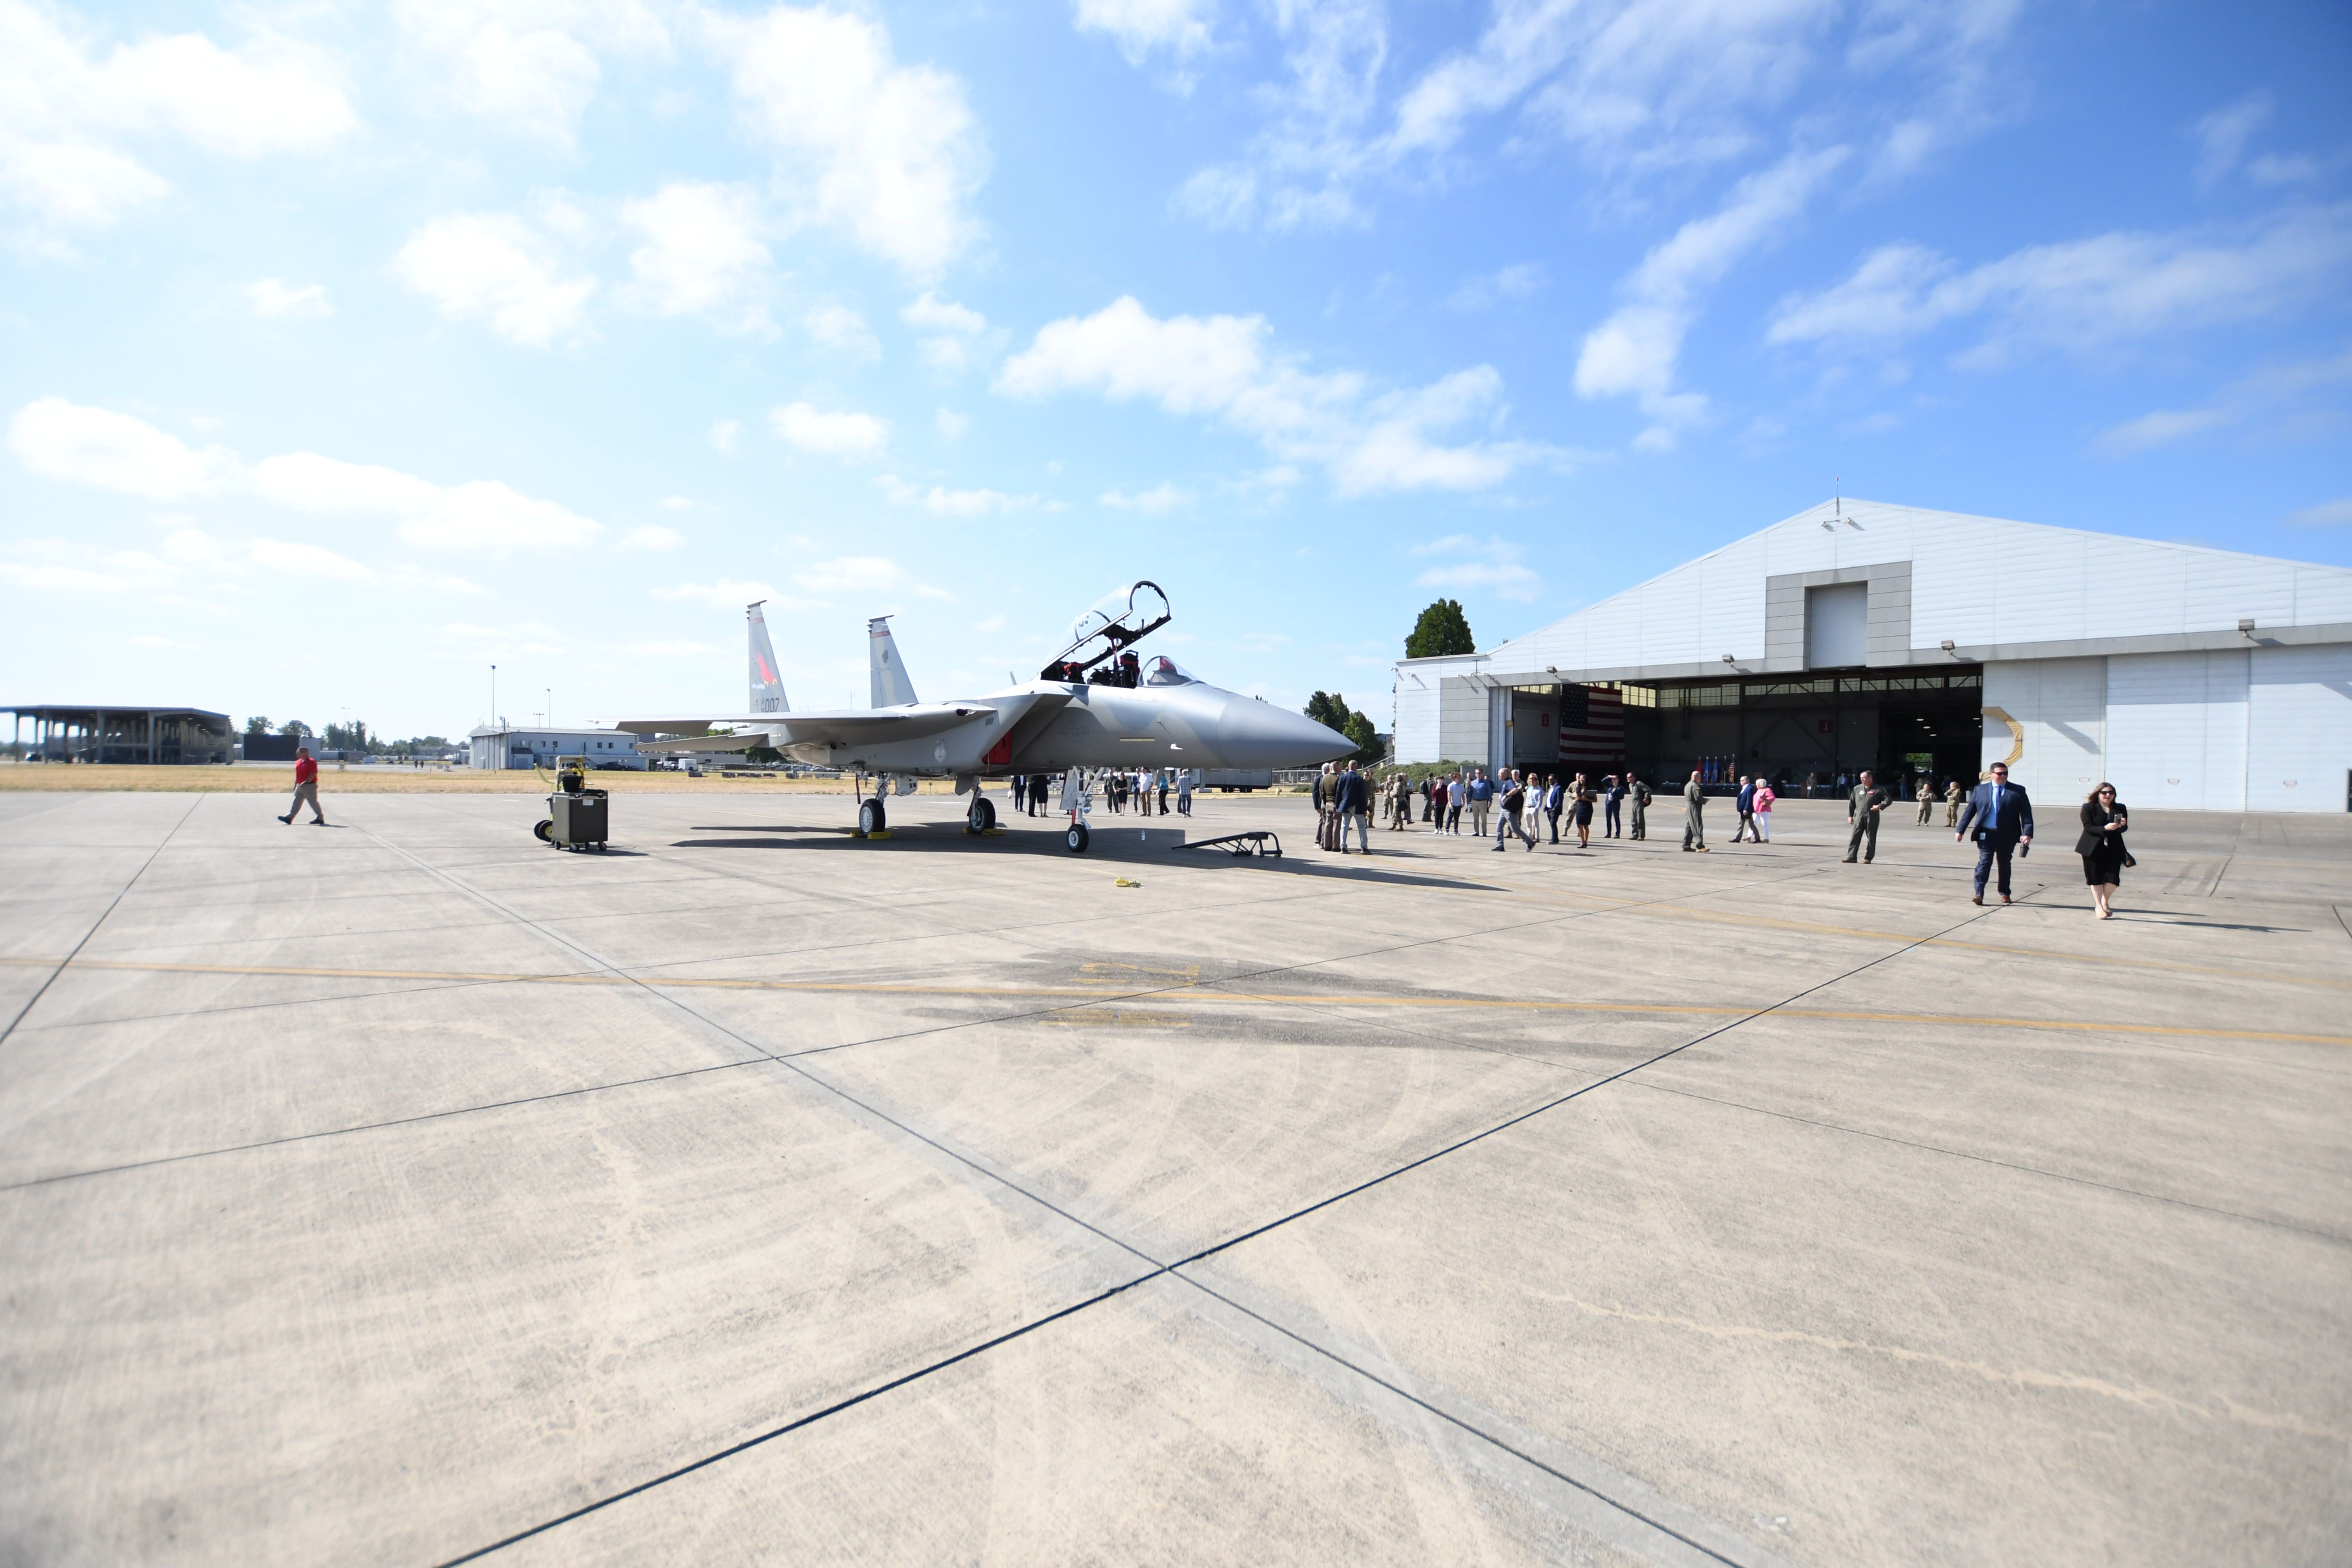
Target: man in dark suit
pixel 2003 819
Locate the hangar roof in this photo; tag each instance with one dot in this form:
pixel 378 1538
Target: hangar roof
pixel 1994 588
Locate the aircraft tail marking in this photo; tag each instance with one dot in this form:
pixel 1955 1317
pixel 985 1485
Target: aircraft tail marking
pixel 767 686
pixel 891 688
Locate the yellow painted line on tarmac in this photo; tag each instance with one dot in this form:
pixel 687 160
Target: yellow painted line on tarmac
pixel 1196 995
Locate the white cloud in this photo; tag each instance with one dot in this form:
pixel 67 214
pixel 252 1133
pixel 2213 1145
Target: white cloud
pixel 110 451
pixel 1491 563
pixel 956 331
pixel 807 428
pixel 725 434
pixel 113 451
pixel 2082 295
pixel 701 255
pixel 1523 280
pixel 2221 138
pixel 992 624
pixel 528 66
pixel 951 424
pixel 67 566
pixel 289 559
pixel 949 502
pixel 1141 27
pixel 1221 365
pixel 844 331
pixel 680 503
pixel 724 594
pixel 1634 353
pixel 1299 172
pixel 498 269
pixel 888 153
pixel 1163 497
pixel 2159 428
pixel 483 515
pixel 272 298
pixel 652 536
pixel 862 575
pixel 672 649
pixel 2326 514
pixel 927 312
pixel 63 110
pixel 1639 89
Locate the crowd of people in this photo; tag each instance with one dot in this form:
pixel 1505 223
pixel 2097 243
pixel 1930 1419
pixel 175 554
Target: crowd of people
pixel 1534 808
pixel 1119 790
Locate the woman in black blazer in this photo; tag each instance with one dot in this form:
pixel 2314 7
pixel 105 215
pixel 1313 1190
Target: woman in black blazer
pixel 2101 846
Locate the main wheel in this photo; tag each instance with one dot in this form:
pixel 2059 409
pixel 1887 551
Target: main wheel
pixel 871 818
pixel 1076 837
pixel 545 831
pixel 981 817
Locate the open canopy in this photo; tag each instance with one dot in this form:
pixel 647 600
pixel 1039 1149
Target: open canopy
pixel 1120 618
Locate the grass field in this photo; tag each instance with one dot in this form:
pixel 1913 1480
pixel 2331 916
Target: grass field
pixel 346 778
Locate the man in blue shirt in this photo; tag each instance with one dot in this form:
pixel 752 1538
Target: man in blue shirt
pixel 2003 819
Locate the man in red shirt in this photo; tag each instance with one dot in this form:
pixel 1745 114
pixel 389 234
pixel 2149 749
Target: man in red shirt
pixel 306 787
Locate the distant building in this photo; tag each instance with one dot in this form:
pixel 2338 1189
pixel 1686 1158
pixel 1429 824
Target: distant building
pixel 1929 645
pixel 514 746
pixel 67 734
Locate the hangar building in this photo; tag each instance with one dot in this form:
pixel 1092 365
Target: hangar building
pixel 1929 644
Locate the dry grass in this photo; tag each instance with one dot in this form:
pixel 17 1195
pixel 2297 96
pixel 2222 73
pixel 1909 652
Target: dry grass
pixel 351 779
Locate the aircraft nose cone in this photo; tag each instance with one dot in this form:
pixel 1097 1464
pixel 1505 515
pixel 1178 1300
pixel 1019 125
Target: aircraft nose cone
pixel 1261 735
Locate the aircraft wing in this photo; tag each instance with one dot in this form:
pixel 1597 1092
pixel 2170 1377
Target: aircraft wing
pixel 846 726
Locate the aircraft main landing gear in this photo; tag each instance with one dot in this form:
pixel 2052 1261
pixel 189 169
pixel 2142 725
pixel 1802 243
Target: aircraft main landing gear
pixel 871 818
pixel 982 816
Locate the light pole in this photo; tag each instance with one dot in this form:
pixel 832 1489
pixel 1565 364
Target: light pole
pixel 550 707
pixel 494 697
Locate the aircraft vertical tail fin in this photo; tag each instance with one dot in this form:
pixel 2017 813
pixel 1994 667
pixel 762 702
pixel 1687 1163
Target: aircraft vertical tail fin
pixel 767 686
pixel 890 684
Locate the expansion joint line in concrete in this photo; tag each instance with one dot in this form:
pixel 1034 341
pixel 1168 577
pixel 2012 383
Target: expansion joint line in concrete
pixel 982 1169
pixel 1159 1268
pixel 112 904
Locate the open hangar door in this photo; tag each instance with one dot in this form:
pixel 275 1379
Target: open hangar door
pixel 1808 731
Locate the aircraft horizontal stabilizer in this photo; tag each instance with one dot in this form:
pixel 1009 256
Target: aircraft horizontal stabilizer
pixel 703 743
pixel 849 727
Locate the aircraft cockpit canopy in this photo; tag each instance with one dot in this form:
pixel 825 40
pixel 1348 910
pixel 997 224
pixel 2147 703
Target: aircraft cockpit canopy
pixel 1165 671
pixel 1121 616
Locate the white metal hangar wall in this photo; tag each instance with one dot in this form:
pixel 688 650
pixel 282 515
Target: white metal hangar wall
pixel 2189 678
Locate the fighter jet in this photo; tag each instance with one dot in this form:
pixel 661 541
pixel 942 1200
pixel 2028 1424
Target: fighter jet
pixel 1098 704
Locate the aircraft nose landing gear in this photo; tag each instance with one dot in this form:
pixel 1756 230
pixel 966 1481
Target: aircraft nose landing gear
pixel 1076 837
pixel 982 816
pixel 871 818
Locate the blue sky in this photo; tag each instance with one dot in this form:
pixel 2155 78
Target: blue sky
pixel 346 350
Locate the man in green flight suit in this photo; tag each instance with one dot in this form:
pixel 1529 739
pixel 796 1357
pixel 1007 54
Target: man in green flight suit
pixel 1862 809
pixel 1694 815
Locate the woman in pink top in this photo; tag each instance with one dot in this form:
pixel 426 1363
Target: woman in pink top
pixel 1764 798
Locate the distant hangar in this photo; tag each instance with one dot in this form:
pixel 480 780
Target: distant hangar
pixel 1929 644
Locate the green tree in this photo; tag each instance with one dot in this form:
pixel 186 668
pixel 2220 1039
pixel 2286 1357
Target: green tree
pixel 1359 729
pixel 294 727
pixel 1328 710
pixel 1442 629
pixel 257 725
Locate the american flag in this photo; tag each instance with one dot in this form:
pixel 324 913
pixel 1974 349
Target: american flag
pixel 1592 727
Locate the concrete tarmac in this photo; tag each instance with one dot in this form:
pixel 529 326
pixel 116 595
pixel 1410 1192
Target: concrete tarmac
pixel 408 1192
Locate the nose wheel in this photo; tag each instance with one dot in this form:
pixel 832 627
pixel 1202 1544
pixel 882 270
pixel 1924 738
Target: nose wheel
pixel 1076 837
pixel 871 818
pixel 982 816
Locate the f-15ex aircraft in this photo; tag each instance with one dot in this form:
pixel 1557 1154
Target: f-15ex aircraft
pixel 1097 705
